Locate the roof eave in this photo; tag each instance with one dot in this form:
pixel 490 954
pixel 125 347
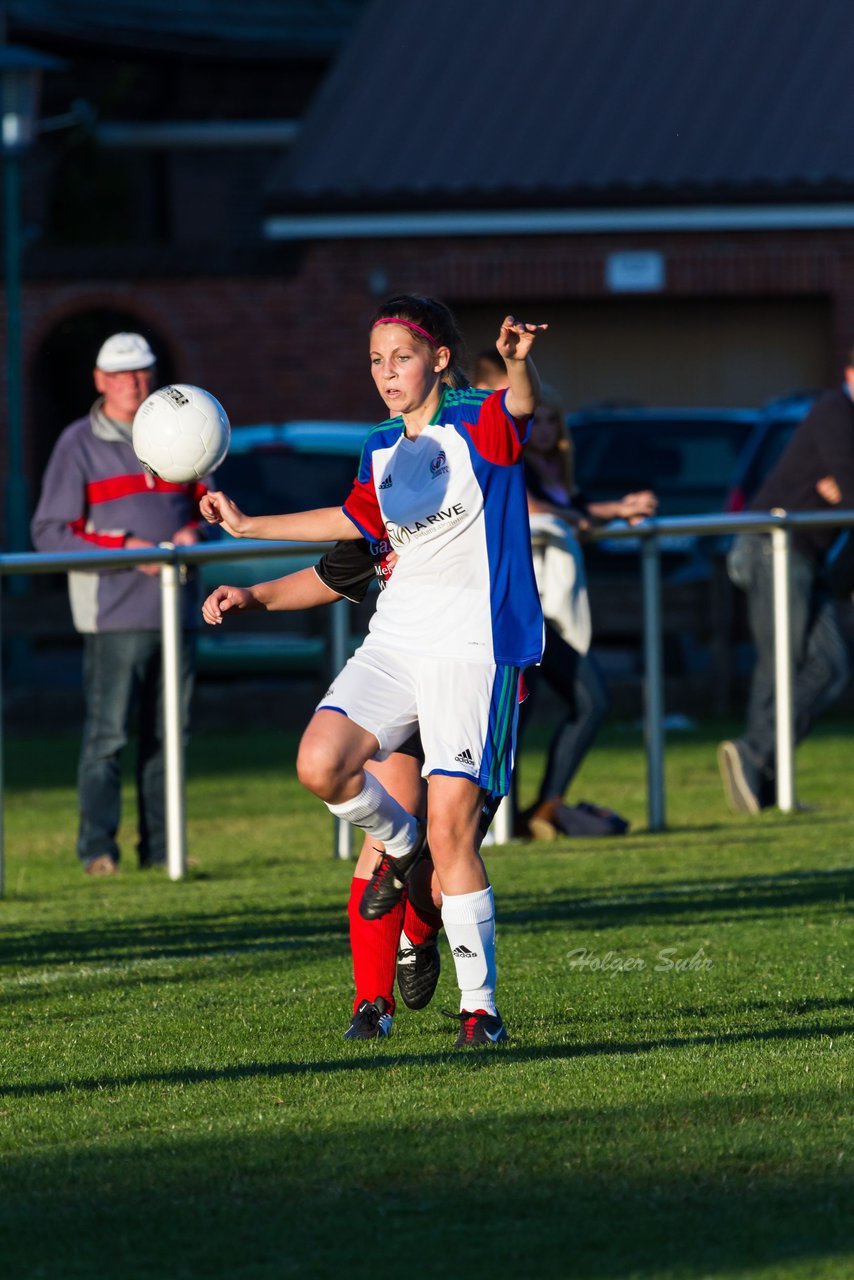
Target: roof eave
pixel 552 220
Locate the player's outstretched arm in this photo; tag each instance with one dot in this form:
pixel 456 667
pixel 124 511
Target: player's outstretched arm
pixel 323 524
pixel 515 339
pixel 300 590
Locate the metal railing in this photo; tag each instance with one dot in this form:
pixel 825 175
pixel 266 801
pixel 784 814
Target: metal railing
pixel 171 558
pixel 779 524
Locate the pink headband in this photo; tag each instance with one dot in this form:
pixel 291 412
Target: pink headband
pixel 408 324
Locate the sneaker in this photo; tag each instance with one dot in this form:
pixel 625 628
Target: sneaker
pixel 740 779
pixel 478 1028
pixel 371 1021
pixel 417 973
pixel 385 888
pixel 102 865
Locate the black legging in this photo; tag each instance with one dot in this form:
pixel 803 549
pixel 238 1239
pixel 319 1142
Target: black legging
pixel 579 682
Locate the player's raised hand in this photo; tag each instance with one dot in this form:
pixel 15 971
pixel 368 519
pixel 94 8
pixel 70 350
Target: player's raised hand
pixel 217 508
pixel 224 599
pixel 515 337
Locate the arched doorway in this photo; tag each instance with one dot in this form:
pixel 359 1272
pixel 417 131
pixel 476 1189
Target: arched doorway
pixel 62 387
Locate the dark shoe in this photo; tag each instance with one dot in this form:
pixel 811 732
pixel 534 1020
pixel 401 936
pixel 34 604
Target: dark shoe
pixel 102 865
pixel 520 826
pixel 149 864
pixel 740 779
pixel 371 1021
pixel 478 1028
pixel 418 972
pixel 385 888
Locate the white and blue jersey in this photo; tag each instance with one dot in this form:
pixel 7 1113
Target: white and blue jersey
pixel 453 503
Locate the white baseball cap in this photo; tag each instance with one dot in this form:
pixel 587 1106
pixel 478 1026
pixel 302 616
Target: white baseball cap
pixel 124 351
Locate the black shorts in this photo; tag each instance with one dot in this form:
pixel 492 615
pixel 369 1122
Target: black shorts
pixel 412 747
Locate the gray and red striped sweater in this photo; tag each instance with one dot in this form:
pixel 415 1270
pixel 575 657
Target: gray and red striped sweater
pixel 96 494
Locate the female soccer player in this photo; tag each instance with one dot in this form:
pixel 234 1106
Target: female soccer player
pixel 457 622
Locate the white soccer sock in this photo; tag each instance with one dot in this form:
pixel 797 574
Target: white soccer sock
pixel 469 920
pixel 378 813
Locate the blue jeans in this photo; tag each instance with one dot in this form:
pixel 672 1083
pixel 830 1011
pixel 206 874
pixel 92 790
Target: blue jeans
pixel 579 683
pixel 122 677
pixel 819 652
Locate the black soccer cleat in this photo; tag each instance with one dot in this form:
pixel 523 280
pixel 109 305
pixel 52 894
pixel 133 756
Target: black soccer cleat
pixel 478 1028
pixel 417 973
pixel 371 1021
pixel 385 888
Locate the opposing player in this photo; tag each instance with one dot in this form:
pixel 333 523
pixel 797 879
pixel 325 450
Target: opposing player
pixel 402 944
pixel 458 621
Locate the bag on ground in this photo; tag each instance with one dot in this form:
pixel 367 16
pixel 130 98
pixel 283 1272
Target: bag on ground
pixel 589 820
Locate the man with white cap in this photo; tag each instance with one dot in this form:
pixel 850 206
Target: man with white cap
pixel 96 494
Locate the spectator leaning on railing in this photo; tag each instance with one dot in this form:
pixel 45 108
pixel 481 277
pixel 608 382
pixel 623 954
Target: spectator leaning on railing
pixel 96 495
pixel 814 473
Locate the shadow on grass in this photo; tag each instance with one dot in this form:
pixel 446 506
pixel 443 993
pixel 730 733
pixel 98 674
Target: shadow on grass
pixel 638 1191
pixel 691 901
pixel 293 927
pixel 369 1058
pixel 184 937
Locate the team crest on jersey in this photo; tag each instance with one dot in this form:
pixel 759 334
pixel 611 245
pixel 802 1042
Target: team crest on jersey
pixel 439 465
pixel 386 484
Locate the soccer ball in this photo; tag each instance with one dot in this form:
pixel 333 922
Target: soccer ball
pixel 181 433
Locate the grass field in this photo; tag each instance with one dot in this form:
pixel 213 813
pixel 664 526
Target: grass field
pixel 176 1099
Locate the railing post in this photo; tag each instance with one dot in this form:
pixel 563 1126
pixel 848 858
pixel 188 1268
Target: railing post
pixel 339 642
pixel 781 545
pixel 2 767
pixel 653 681
pixel 502 823
pixel 173 727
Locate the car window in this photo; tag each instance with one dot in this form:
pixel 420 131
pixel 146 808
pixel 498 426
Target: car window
pixel 278 480
pixel 688 463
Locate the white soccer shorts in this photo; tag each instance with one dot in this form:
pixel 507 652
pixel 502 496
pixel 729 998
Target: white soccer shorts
pixel 467 712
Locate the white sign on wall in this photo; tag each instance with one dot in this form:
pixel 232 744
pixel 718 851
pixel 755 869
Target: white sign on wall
pixel 635 271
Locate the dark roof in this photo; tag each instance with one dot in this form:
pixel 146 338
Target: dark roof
pixel 224 28
pixel 579 102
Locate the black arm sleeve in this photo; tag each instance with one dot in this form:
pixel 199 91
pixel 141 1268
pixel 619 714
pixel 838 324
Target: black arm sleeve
pixel 348 569
pixel 834 436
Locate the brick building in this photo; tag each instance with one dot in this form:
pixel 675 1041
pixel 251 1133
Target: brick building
pixel 142 202
pixel 670 185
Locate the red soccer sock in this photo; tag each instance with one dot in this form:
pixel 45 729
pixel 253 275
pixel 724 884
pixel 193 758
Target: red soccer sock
pixel 373 944
pixel 420 925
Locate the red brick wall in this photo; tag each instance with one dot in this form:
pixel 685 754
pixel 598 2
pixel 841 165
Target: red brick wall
pixel 292 347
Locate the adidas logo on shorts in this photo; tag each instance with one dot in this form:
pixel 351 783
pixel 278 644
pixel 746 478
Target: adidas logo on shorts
pixel 386 484
pixel 465 757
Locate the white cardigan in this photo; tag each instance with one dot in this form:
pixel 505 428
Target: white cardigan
pixel 561 580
